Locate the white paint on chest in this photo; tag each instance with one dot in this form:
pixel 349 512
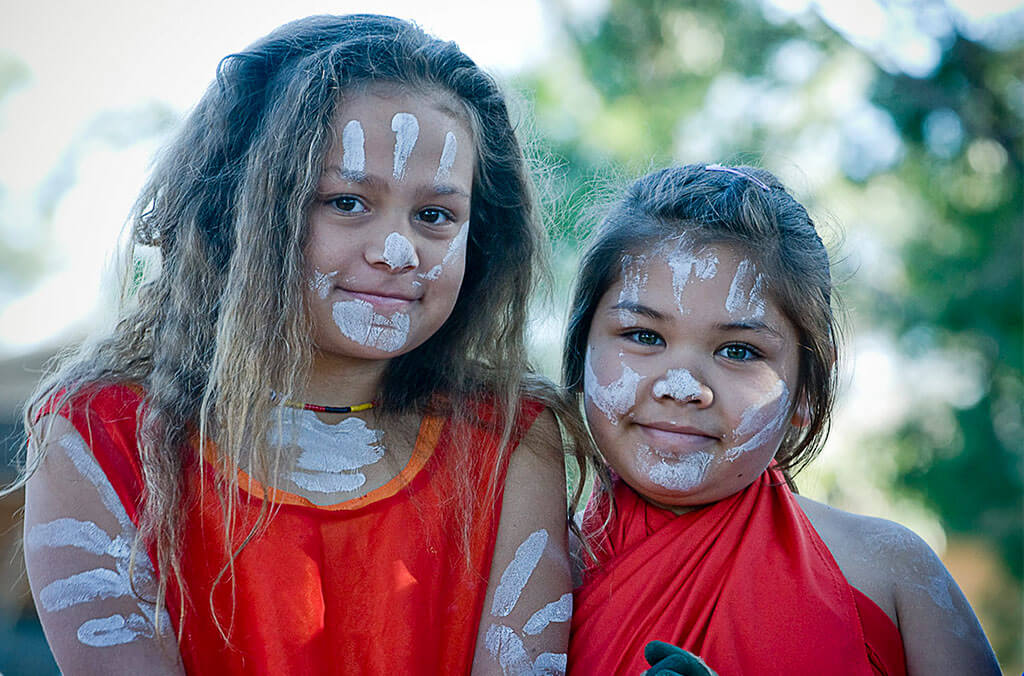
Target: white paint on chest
pixel 614 399
pixel 399 252
pixel 407 130
pixel 322 282
pixel 518 573
pixel 353 156
pixel 358 321
pixel 444 166
pixel 99 583
pixel 678 384
pixel 329 455
pixel 761 421
pixel 746 293
pixel 556 611
pixel 686 265
pixel 456 247
pixel 676 472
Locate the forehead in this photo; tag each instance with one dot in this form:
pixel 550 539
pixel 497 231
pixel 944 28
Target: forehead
pixel 376 105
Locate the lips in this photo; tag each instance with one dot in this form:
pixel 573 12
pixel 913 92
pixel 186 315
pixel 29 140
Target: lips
pixel 671 437
pixel 387 300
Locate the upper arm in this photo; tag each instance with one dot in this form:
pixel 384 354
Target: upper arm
pixel 940 631
pixel 78 553
pixel 524 627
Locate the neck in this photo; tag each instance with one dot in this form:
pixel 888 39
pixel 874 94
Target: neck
pixel 342 381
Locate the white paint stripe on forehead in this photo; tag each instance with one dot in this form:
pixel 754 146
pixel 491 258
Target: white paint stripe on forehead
pixel 444 166
pixel 407 130
pixel 678 384
pixel 506 647
pixel 556 611
pixel 353 157
pixel 550 664
pixel 634 278
pixel 686 264
pixel 322 282
pixel 746 293
pixel 398 252
pixel 518 573
pixel 114 630
pixel 614 399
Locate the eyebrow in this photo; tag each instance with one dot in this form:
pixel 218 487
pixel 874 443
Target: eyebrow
pixel 446 189
pixel 755 326
pixel 638 309
pixel 349 176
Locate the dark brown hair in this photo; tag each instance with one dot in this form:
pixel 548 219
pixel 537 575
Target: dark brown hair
pixel 742 207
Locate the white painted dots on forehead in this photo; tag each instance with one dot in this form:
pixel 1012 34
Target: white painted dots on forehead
pixel 407 131
pixel 353 150
pixel 614 399
pixel 444 165
pixel 399 252
pixel 746 299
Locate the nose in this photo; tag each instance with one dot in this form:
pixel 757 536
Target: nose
pixel 681 385
pixel 397 254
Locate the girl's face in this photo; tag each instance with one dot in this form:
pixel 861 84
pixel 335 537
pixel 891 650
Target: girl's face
pixel 688 375
pixel 389 227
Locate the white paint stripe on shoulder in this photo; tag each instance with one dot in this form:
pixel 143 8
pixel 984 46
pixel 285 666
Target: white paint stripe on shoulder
pixel 518 573
pixel 91 585
pixel 103 632
pixel 69 533
pixel 556 611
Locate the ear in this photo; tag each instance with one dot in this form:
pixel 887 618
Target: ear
pixel 802 415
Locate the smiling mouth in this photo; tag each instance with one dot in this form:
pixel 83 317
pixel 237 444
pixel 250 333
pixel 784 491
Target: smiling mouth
pixel 391 301
pixel 668 437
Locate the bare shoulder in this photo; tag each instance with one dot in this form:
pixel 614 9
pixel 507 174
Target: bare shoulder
pixel 543 441
pixel 897 570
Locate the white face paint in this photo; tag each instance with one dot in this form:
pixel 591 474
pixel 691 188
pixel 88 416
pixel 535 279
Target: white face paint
pixel 685 265
pixel 322 282
pixel 746 293
pixel 677 472
pixel 456 247
pixel 634 278
pixel 763 420
pixel 614 399
pixel 518 573
pixel 352 148
pixel 678 384
pixel 329 454
pixel 444 166
pixel 359 322
pixel 556 611
pixel 407 130
pixel 399 252
pixel 99 583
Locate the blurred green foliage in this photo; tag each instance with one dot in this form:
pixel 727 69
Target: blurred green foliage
pixel 929 168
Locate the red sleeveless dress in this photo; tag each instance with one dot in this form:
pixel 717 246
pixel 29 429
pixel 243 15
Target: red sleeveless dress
pixel 374 585
pixel 746 583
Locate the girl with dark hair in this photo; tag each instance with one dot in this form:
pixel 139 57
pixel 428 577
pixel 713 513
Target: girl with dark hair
pixel 312 443
pixel 703 343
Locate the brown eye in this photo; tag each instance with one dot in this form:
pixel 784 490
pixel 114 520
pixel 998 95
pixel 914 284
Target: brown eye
pixel 435 216
pixel 348 204
pixel 645 337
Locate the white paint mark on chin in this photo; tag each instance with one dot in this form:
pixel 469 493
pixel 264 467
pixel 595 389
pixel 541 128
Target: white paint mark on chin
pixel 357 321
pixel 614 399
pixel 556 611
pixel 353 157
pixel 686 264
pixel 518 573
pixel 407 130
pixel 322 282
pixel 444 166
pixel 329 454
pixel 678 384
pixel 676 472
pixel 455 248
pixel 763 420
pixel 746 293
pixel 399 252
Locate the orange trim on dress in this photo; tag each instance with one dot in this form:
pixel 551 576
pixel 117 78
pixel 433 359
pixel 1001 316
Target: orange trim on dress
pixel 426 443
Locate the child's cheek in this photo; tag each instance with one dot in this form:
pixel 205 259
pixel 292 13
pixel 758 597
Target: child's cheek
pixel 614 391
pixel 762 422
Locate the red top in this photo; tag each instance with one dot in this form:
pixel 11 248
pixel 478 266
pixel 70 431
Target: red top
pixel 746 583
pixel 375 585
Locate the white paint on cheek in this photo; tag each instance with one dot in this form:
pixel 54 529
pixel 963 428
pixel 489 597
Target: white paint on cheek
pixel 746 293
pixel 505 646
pixel 685 264
pixel 322 282
pixel 353 157
pixel 114 630
pixel 678 384
pixel 677 472
pixel 407 130
pixel 399 252
pixel 614 399
pixel 550 664
pixel 329 454
pixel 444 166
pixel 761 421
pixel 357 321
pixel 518 573
pixel 456 248
pixel 556 611
pixel 634 278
